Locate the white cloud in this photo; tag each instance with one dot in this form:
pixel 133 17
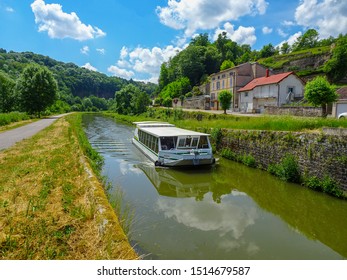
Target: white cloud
pixel 291 40
pixel 192 15
pixel 85 50
pixel 281 32
pixel 242 35
pixel 59 25
pixel 9 9
pixel 288 23
pixel 123 52
pixel 89 66
pixel 123 73
pixel 225 218
pixel 143 61
pixel 267 30
pixel 101 51
pixel 329 17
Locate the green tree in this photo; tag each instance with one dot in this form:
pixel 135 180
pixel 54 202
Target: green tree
pixel 140 102
pixel 319 92
pixel 226 65
pixel 176 88
pixel 131 100
pixel 267 51
pixel 224 98
pixel 336 67
pixel 306 41
pixel 37 89
pixel 285 48
pixel 123 99
pixel 7 93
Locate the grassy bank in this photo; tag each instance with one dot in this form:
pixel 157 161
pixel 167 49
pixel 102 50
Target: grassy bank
pixel 51 204
pixel 205 121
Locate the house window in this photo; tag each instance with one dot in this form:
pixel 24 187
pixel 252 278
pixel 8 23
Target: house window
pixel 218 85
pixel 246 94
pixel 213 96
pixel 223 84
pixel 291 90
pixel 223 76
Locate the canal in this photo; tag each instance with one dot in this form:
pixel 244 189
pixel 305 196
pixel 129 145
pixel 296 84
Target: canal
pixel 229 211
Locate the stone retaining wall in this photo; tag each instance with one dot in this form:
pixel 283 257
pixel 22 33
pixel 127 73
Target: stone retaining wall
pixel 294 111
pixel 317 154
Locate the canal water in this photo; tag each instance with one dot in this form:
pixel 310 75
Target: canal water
pixel 228 211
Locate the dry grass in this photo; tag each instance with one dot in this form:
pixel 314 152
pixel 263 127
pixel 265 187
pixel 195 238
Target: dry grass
pixel 51 204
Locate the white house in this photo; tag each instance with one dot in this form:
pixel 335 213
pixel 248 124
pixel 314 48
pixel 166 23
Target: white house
pixel 271 90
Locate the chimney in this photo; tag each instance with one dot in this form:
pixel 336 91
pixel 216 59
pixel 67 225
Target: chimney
pixel 267 73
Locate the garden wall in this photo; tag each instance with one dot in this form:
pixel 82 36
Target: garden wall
pixel 294 111
pixel 317 154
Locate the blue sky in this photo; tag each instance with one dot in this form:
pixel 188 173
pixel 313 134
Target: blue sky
pixel 131 38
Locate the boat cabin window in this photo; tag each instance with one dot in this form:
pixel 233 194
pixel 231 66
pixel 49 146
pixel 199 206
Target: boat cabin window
pixel 203 143
pixel 168 143
pixel 149 140
pixel 188 142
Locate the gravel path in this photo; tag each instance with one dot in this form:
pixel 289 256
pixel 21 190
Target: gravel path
pixel 11 137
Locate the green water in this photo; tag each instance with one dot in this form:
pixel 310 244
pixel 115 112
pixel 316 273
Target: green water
pixel 228 211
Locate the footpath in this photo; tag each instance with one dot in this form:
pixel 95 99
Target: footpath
pixel 11 137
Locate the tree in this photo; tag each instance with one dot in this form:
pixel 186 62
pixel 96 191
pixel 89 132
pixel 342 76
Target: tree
pixel 224 98
pixel 285 48
pixel 267 51
pixel 226 65
pixel 37 89
pixel 319 92
pixel 123 99
pixel 131 100
pixel 7 94
pixel 140 101
pixel 308 40
pixel 335 68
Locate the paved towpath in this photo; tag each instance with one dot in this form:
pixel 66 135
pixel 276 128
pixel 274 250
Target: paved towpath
pixel 11 137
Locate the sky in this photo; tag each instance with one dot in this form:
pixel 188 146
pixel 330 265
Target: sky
pixel 132 38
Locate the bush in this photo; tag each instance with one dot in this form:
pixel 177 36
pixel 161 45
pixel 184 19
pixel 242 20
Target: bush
pixel 248 160
pixel 327 185
pixel 7 118
pixel 287 169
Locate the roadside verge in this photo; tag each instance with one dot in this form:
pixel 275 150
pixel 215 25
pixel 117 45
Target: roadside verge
pixel 52 206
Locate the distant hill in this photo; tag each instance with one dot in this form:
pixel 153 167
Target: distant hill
pixel 72 79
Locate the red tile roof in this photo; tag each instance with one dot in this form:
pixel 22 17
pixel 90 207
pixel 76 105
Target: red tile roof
pixel 273 79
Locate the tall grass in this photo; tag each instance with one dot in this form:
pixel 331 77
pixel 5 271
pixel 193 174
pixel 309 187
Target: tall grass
pixel 8 118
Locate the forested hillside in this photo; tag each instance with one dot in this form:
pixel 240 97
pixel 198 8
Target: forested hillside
pixel 72 79
pixel 78 89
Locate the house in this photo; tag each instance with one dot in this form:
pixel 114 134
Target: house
pixel 270 90
pixel 340 106
pixel 233 79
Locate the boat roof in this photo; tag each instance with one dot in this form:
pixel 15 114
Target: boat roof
pixel 153 124
pixel 170 131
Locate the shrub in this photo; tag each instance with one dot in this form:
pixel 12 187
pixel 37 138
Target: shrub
pixel 287 169
pixel 216 137
pixel 327 185
pixel 248 160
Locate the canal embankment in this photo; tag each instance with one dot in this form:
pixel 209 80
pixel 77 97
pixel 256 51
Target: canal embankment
pixel 320 158
pixel 52 204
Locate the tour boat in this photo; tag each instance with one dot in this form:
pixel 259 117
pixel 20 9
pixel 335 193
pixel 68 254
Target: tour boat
pixel 167 145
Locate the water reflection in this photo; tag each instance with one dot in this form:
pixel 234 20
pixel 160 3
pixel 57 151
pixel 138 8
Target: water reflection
pixel 227 212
